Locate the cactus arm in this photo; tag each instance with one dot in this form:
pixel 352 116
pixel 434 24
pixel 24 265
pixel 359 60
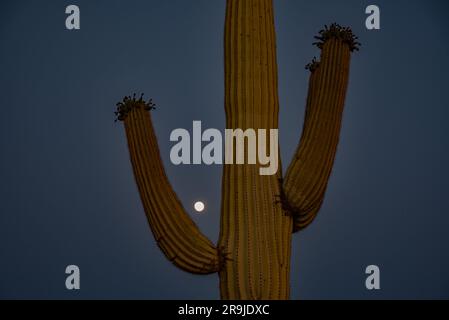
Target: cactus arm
pixel 307 177
pixel 176 234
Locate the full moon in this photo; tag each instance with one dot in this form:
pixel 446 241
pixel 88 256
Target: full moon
pixel 199 206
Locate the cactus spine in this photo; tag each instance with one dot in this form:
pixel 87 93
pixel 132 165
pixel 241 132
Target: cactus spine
pixel 259 213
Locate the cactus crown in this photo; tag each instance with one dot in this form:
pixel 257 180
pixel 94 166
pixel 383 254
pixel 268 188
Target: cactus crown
pixel 129 103
pixel 335 31
pixel 313 65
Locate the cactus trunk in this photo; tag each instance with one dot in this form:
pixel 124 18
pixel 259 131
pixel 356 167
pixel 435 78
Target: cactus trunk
pixel 254 231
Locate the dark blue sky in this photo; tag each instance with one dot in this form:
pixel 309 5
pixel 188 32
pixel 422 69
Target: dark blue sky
pixel 67 191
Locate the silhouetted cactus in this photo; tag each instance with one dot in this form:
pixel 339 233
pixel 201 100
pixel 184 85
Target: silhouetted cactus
pixel 259 213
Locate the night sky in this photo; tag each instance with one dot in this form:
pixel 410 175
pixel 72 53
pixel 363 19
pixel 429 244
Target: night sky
pixel 67 190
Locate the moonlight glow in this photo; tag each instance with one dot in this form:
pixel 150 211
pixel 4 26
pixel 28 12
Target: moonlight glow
pixel 199 206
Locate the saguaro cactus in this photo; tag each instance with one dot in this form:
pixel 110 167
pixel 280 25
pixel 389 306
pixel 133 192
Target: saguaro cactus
pixel 259 213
